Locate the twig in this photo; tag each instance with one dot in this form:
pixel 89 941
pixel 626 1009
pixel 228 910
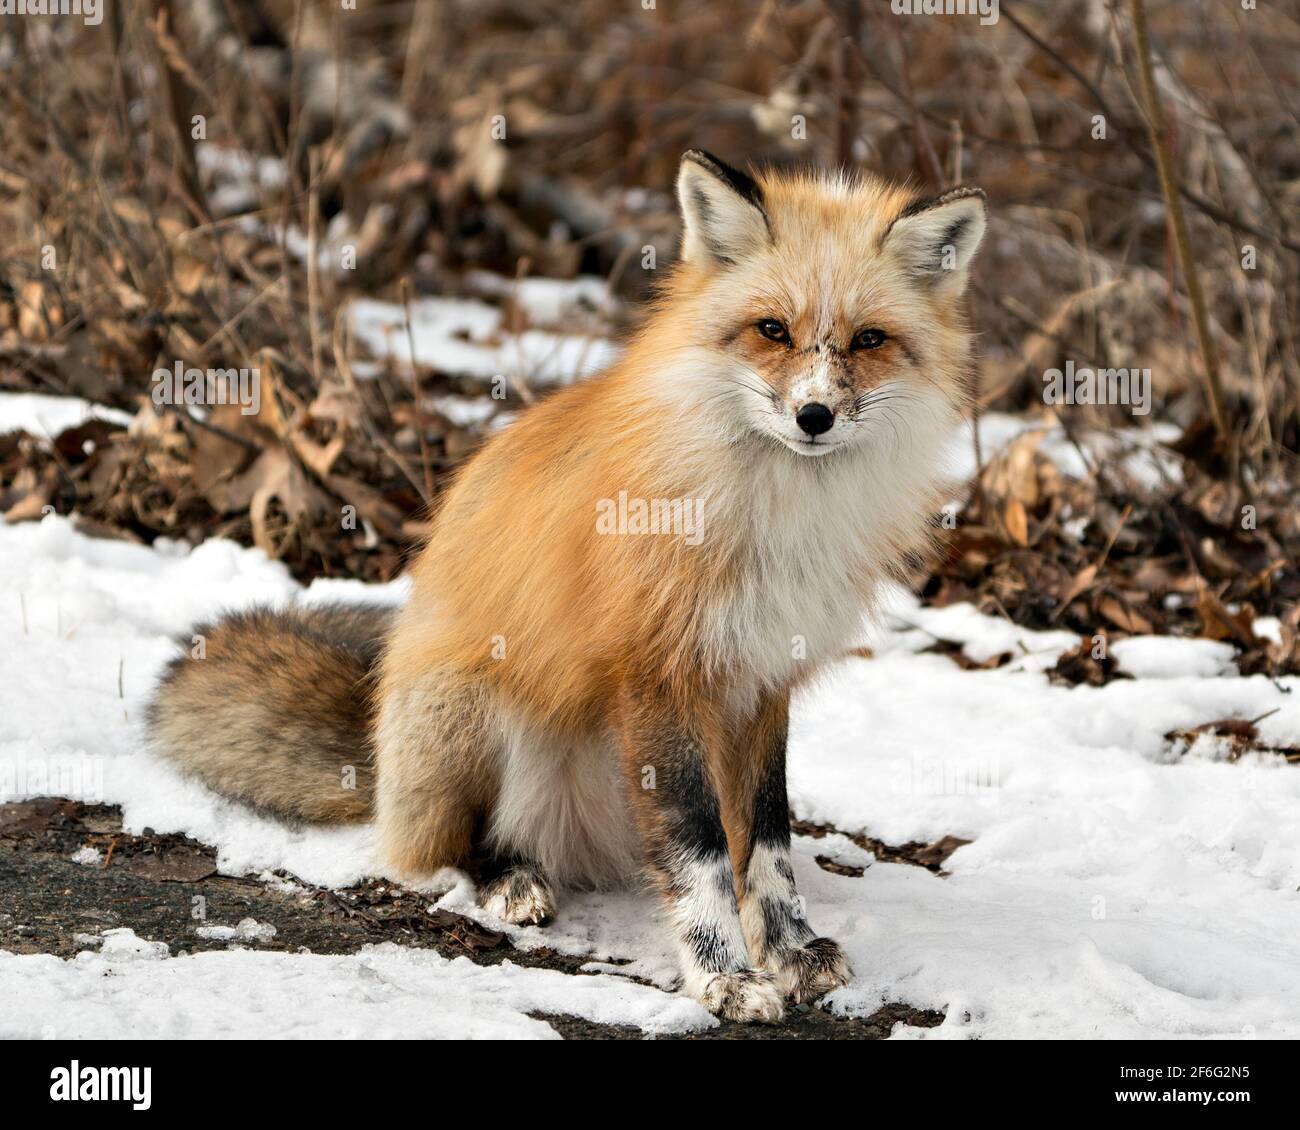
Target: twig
pixel 376 436
pixel 176 96
pixel 216 429
pixel 903 92
pixel 1154 115
pixel 313 262
pixel 415 392
pixel 1207 207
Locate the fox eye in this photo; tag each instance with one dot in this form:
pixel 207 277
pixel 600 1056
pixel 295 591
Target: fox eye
pixel 773 330
pixel 869 339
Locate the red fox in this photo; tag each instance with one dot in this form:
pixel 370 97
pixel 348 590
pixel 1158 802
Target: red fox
pixel 570 698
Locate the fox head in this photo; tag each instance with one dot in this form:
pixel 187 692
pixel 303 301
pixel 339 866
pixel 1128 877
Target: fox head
pixel 820 313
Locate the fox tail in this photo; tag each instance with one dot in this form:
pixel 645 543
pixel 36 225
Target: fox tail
pixel 272 707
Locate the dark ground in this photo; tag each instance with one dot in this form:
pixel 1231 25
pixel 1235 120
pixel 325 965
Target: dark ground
pixel 149 883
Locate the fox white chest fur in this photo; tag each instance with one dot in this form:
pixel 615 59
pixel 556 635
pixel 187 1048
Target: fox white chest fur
pixel 812 541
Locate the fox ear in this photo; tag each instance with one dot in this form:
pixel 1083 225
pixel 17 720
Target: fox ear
pixel 936 239
pixel 722 211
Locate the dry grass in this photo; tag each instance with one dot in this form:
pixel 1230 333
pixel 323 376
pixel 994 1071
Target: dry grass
pixel 384 116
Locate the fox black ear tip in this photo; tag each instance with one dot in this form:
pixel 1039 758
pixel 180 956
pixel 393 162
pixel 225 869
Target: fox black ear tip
pixel 700 157
pixel 961 192
pixel 965 192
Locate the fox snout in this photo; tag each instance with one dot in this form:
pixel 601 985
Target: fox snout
pixel 816 406
pixel 814 418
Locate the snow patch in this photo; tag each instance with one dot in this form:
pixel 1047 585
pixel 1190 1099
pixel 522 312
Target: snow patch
pixel 248 930
pixel 132 990
pixel 46 416
pixel 466 337
pixel 1110 890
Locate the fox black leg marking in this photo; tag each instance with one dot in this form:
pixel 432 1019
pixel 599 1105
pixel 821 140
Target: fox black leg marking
pixel 517 891
pixel 686 851
pixel 769 878
pixel 805 965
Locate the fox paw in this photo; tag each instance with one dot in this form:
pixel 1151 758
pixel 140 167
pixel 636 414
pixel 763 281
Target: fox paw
pixel 747 995
pixel 811 971
pixel 520 896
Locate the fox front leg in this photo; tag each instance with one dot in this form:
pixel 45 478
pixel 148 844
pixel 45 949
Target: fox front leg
pixel 685 846
pixel 781 939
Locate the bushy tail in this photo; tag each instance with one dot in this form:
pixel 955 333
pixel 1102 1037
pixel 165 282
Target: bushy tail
pixel 273 708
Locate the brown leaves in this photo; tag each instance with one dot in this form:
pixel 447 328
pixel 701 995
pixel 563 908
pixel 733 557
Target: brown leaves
pixel 1014 484
pixel 931 856
pixel 30 492
pixel 384 905
pixel 277 479
pixel 957 654
pixel 1104 556
pixel 261 475
pixel 1236 737
pixel 1088 664
pixel 1079 584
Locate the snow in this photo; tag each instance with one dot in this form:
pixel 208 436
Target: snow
pixel 248 930
pixel 237 180
pixel 1112 888
pixel 1135 451
pixel 913 627
pixel 1268 628
pixel 133 990
pixel 548 301
pixel 1168 657
pixel 464 411
pixel 466 336
pixel 46 416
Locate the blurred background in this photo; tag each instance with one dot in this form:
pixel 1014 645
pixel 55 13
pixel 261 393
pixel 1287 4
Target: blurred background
pixel 414 219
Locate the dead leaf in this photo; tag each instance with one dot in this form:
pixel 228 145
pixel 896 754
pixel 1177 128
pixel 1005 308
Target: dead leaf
pixel 1221 624
pixel 175 865
pixel 1124 617
pixel 826 863
pixel 1016 521
pixel 319 457
pixel 189 272
pixel 1081 583
pixel 131 210
pixel 1013 474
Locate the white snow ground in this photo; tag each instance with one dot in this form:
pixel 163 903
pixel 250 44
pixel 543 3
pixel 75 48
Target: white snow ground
pixel 467 336
pixel 1111 889
pixel 46 416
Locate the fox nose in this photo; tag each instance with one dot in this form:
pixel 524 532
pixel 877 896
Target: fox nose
pixel 814 418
